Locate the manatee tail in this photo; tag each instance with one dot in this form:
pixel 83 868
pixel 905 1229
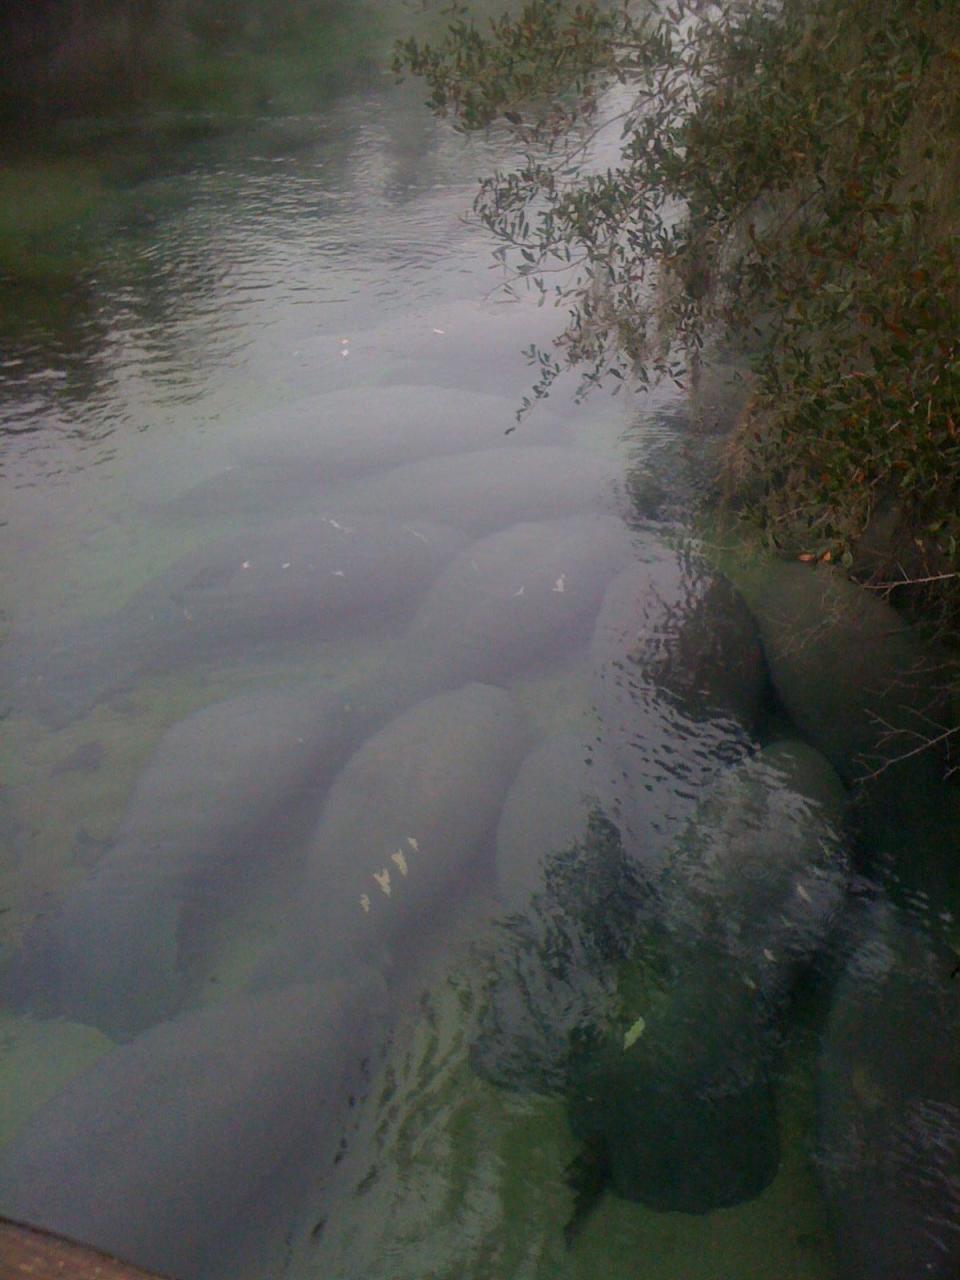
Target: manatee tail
pixel 587 1175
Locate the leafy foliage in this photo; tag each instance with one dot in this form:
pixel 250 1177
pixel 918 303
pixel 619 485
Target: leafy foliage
pixel 788 177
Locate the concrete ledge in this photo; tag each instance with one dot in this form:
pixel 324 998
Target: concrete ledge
pixel 28 1252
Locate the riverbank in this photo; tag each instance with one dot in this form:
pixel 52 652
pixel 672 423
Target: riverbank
pixel 73 59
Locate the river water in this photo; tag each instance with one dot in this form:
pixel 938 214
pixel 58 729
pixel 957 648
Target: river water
pixel 418 859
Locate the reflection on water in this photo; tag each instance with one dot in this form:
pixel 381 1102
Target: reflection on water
pixel 418 857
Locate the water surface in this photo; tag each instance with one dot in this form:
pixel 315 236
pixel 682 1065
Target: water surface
pixel 311 667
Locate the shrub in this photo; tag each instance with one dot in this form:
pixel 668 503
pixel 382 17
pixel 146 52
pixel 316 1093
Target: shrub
pixel 788 179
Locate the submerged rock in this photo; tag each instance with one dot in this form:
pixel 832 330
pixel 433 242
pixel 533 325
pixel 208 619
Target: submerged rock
pixel 218 805
pixel 889 1107
pixel 404 823
pixel 679 687
pixel 173 1142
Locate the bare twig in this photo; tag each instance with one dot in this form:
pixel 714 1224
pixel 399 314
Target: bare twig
pixel 908 582
pixel 925 745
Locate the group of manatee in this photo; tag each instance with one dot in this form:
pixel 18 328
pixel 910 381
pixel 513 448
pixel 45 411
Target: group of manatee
pixel 646 966
pixel 668 881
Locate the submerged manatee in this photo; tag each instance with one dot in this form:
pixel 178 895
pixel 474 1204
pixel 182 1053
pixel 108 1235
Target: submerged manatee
pixel 677 1109
pixel 169 1143
pixel 576 902
pixel 844 662
pixel 679 687
pixel 861 686
pixel 506 604
pixel 676 1104
pixel 464 344
pixel 581 912
pixel 219 803
pixel 889 1107
pixel 311 579
pixel 488 489
pixel 547 810
pixel 327 438
pixel 403 823
pixel 760 870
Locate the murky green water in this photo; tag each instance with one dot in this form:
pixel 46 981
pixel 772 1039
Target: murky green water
pixel 396 813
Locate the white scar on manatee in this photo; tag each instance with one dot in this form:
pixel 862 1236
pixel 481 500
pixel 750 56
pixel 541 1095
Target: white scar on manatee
pixel 365 902
pixel 400 861
pixel 561 583
pixel 413 844
pixel 383 880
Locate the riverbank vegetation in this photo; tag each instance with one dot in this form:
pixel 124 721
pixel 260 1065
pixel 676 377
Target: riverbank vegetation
pixel 786 189
pixel 72 57
pixel 99 100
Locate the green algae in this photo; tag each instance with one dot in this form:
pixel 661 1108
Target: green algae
pixel 462 1180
